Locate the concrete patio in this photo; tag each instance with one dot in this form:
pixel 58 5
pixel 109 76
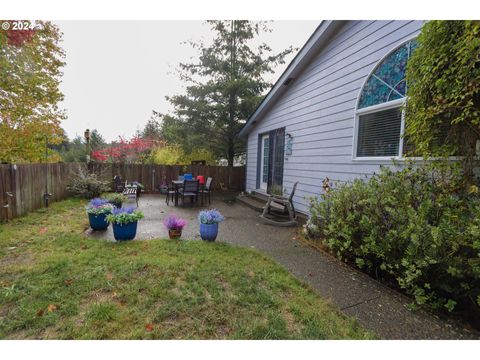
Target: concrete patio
pixel 378 308
pixel 241 222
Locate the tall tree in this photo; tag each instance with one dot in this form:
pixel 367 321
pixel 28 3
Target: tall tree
pixel 30 72
pixel 224 87
pixel 153 128
pixel 97 141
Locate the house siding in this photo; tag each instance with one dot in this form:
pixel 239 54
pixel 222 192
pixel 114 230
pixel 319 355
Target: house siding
pixel 318 108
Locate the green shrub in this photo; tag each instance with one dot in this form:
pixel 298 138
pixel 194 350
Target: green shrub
pixel 87 185
pixel 416 227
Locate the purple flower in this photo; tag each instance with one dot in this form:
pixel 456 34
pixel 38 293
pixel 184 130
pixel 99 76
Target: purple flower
pixel 128 210
pixel 210 217
pixel 98 206
pixel 97 202
pixel 174 222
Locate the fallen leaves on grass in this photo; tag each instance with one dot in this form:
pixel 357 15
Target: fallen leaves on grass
pixel 149 327
pixel 40 312
pixel 43 230
pixel 52 308
pixel 68 282
pixel 109 276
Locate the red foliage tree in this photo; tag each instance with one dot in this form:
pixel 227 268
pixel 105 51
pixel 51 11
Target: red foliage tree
pixel 18 37
pixel 125 151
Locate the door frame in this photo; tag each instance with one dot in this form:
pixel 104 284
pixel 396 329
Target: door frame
pixel 264 185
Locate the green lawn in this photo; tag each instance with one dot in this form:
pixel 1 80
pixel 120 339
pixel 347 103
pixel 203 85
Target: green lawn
pixel 57 283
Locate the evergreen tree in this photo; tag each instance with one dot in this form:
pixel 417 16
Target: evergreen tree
pixel 153 128
pixel 97 141
pixel 225 86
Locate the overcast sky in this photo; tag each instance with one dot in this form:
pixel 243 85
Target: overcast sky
pixel 117 72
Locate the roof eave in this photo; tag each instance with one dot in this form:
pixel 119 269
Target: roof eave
pixel 313 44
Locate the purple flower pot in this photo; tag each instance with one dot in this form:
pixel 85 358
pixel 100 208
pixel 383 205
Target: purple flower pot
pixel 98 222
pixel 123 232
pixel 209 232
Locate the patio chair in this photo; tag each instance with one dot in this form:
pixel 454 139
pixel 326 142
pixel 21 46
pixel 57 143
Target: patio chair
pixel 279 210
pixel 132 192
pixel 207 190
pixel 190 189
pixel 170 194
pixel 117 184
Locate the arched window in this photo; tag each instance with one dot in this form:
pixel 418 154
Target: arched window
pixel 379 118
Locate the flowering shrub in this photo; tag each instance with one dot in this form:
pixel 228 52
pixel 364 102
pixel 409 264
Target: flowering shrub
pixel 99 206
pixel 86 185
pixel 416 227
pixel 124 215
pixel 210 217
pixel 174 222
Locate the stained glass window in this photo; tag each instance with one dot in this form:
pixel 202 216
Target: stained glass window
pixel 387 81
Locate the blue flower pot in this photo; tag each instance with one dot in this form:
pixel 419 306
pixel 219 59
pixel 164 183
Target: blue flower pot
pixel 208 232
pixel 125 231
pixel 98 222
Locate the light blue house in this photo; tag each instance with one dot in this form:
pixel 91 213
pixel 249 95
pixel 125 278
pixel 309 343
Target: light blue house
pixel 335 112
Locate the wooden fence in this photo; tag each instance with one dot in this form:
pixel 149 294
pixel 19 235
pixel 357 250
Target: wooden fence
pixel 22 186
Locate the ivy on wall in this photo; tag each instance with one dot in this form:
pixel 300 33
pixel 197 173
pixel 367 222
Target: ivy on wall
pixel 443 107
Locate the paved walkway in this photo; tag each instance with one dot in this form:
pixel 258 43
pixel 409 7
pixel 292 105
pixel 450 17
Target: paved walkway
pixel 377 308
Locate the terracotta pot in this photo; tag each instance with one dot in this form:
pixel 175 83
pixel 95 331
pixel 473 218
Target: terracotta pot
pixel 175 233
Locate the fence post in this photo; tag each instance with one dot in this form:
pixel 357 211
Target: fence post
pixel 16 191
pixel 153 177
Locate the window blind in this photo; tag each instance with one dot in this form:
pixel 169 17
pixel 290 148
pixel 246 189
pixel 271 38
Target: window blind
pixel 379 133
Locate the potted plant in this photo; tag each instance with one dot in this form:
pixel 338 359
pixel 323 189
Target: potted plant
pixel 209 220
pixel 174 225
pixel 276 190
pixel 163 187
pixel 116 199
pixel 124 222
pixel 97 210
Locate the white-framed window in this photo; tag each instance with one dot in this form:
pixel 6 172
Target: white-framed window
pixel 379 117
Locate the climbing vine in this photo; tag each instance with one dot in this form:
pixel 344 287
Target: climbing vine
pixel 443 107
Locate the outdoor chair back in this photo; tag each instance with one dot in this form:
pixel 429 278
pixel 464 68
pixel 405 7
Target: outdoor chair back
pixel 207 189
pixel 190 189
pixel 290 198
pixel 132 192
pixel 208 183
pixel 190 186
